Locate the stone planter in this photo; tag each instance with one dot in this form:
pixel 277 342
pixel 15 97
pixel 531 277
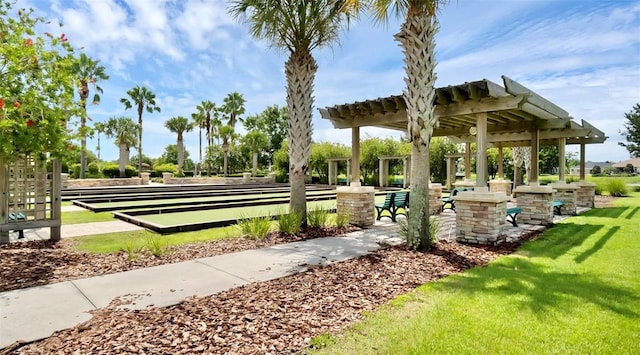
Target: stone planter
pixel 358 202
pixel 480 216
pixel 536 203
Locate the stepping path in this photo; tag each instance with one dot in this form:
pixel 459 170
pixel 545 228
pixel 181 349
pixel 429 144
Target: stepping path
pixel 35 313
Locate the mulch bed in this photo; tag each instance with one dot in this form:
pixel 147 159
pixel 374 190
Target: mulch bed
pixel 277 316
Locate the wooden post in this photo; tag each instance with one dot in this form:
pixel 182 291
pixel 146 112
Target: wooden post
pixel 467 161
pixel 4 200
pixel 582 161
pixel 535 148
pixel 56 200
pixel 481 145
pixel 500 163
pixel 381 181
pixel 561 159
pixel 355 156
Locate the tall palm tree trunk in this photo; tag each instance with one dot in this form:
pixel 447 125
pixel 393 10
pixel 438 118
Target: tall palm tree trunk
pixel 123 159
pixel 140 138
pixel 84 94
pixel 417 40
pixel 300 71
pixel 180 153
pixel 200 157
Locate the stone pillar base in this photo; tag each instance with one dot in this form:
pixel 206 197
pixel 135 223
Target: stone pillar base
pixel 566 193
pixel 145 178
pixel 358 202
pixel 64 180
pixel 166 178
pixel 465 183
pixel 435 199
pixel 536 203
pixel 480 216
pixel 500 185
pixel 586 194
pixel 246 177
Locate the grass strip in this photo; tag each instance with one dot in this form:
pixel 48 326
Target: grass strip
pixel 76 217
pixel 574 290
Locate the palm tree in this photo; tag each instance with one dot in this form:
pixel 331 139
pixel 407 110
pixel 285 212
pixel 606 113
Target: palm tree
pixel 199 121
pixel 88 71
pixel 234 107
pixel 99 127
pixel 256 141
pixel 179 125
pixel 205 109
pixel 298 26
pixel 417 39
pixel 125 132
pixel 227 134
pixel 143 99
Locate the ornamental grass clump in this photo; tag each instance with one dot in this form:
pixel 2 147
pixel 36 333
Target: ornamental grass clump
pixel 318 217
pixel 255 227
pixel 434 227
pixel 289 223
pixel 156 245
pixel 342 219
pixel 617 188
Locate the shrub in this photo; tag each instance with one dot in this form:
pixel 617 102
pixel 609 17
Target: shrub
pixel 289 223
pixel 596 170
pixel 132 251
pixel 629 169
pixel 617 188
pixel 598 189
pixel 318 217
pixel 404 230
pixel 93 169
pixel 75 170
pixel 166 168
pixel 342 219
pixel 255 227
pixel 111 170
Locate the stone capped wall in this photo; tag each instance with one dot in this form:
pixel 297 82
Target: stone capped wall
pixel 76 183
pixel 358 202
pixel 585 194
pixel 536 203
pixel 567 194
pixel 480 217
pixel 169 179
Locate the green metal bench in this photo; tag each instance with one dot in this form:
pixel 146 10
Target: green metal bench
pixel 512 214
pixel 449 199
pixel 393 202
pixel 557 207
pixel 18 217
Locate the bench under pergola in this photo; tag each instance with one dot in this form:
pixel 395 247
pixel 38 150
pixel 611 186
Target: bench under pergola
pixel 487 114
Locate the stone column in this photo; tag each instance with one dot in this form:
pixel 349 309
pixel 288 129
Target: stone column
pixel 145 178
pixel 246 178
pixel 566 193
pixel 536 203
pixel 585 194
pixel 480 217
pixel 271 177
pixel 358 202
pixel 500 185
pixel 64 180
pixel 166 178
pixel 435 201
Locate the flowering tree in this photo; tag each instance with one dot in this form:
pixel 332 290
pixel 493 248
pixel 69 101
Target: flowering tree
pixel 37 91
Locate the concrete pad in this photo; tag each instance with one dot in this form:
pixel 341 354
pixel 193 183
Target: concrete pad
pixel 333 248
pixel 158 286
pixel 36 312
pixel 263 264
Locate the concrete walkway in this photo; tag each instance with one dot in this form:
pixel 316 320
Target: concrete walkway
pixel 76 230
pixel 35 313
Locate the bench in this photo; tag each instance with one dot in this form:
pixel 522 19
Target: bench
pixel 18 217
pixel 557 207
pixel 449 199
pixel 393 202
pixel 512 214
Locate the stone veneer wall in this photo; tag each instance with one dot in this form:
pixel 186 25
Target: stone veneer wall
pixel 435 199
pixel 168 179
pixel 480 217
pixel 536 203
pixel 567 194
pixel 465 183
pixel 585 194
pixel 500 186
pixel 358 202
pixel 76 183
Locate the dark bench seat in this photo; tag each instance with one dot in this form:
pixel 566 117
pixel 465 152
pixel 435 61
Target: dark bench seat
pixel 449 201
pixel 557 207
pixel 396 203
pixel 18 217
pixel 512 215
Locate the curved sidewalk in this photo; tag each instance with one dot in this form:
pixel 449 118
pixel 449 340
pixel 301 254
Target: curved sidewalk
pixel 35 313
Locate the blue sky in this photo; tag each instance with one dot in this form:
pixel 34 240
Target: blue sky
pixel 583 55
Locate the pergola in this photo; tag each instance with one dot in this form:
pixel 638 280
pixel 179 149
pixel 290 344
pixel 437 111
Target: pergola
pixel 482 112
pixel 489 115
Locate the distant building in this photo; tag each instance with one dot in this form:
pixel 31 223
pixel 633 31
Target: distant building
pixel 588 166
pixel 623 164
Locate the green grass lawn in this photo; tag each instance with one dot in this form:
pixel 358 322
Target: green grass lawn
pixel 114 242
pixel 76 217
pixel 574 290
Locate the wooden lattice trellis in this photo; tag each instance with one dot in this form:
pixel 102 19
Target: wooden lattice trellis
pixel 30 199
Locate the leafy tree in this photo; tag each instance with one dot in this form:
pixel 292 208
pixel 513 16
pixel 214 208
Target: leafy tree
pixel 298 27
pixel 143 99
pixel 320 154
pixel 256 141
pixel 274 121
pixel 629 169
pixel 596 170
pixel 234 107
pixel 36 86
pixel 371 148
pixel 632 131
pixel 441 146
pixel 200 122
pixel 228 135
pixel 548 159
pixel 417 39
pixel 179 125
pixel 170 156
pixel 88 71
pixel 126 133
pixel 206 109
pixel 147 161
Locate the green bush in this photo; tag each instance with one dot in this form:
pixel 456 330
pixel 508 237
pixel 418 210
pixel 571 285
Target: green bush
pixel 93 169
pixel 318 217
pixel 255 227
pixel 598 189
pixel 111 170
pixel 75 170
pixel 342 220
pixel 130 171
pixel 166 168
pixel 617 188
pixel 289 223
